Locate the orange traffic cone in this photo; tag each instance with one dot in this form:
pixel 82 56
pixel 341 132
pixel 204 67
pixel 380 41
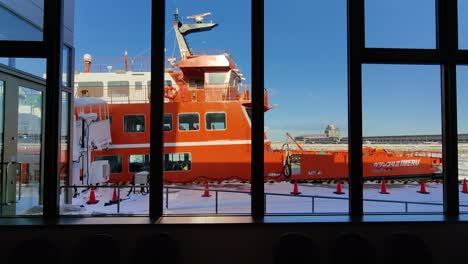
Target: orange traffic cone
pixel 114 196
pixel 465 188
pixel 207 191
pixel 338 188
pixel 92 198
pixel 296 189
pixel 383 188
pixel 423 188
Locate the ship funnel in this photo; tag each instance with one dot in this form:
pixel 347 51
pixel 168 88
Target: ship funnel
pixel 87 62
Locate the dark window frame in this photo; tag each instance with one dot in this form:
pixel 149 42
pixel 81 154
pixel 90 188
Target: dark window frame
pixel 98 89
pixel 110 155
pixel 188 113
pixel 206 121
pixel 446 54
pixel 144 123
pixel 179 153
pixel 172 122
pixel 136 154
pixel 114 90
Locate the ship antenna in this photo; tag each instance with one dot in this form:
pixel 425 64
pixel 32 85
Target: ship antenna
pixel 176 14
pixel 182 30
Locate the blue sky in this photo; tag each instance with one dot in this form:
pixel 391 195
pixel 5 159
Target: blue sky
pixel 305 57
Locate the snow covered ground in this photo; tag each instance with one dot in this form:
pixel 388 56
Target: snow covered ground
pixel 237 201
pixel 182 201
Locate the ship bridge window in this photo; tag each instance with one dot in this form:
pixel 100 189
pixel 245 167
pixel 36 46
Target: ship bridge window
pixel 137 163
pixel 167 122
pixel 118 88
pixel 233 81
pixel 90 89
pixel 196 83
pixel 115 162
pixel 134 123
pixel 189 121
pixel 149 89
pixel 248 110
pixel 138 85
pixel 216 78
pixel 177 162
pixel 168 82
pixel 215 121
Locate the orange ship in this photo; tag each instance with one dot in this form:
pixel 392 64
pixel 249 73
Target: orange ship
pixel 207 124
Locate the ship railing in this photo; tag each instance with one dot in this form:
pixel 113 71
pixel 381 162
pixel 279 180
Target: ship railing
pixel 314 199
pixel 116 95
pixel 227 93
pixel 134 64
pixel 209 52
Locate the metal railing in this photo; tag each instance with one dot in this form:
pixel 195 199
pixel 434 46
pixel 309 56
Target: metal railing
pixel 216 192
pixel 117 186
pixel 116 95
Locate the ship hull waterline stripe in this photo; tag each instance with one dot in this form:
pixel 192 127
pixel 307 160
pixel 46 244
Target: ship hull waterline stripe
pixel 185 144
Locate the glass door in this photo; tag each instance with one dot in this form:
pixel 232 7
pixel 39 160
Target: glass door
pixel 21 126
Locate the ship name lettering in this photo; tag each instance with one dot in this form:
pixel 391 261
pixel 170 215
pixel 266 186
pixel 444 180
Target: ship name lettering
pixel 397 163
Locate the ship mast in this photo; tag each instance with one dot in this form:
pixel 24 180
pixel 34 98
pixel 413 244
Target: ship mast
pixel 181 30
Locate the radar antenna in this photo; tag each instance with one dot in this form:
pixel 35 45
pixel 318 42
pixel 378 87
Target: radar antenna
pixel 182 30
pixel 199 17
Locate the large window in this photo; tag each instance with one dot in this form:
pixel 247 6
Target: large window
pixel 389 136
pixel 306 135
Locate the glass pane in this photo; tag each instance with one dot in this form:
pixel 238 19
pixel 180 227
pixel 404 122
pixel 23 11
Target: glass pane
pixel 64 176
pixel 189 122
pixel 167 122
pixel 462 93
pixel 3 186
pixel 66 66
pixel 402 148
pixel 21 20
pixel 306 121
pixel 207 157
pixel 400 24
pixel 462 24
pixel 111 77
pixel 134 123
pixel 139 163
pixel 36 67
pixel 29 147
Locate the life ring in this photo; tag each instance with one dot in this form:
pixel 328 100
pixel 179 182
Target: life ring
pixel 170 92
pixel 287 170
pixel 287 167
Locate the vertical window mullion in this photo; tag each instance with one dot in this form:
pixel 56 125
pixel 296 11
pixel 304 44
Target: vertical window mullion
pixel 53 36
pixel 257 132
pixel 356 44
pixel 158 8
pixel 447 43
